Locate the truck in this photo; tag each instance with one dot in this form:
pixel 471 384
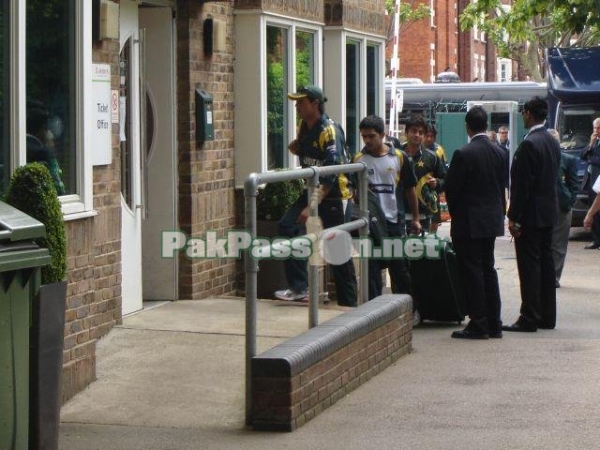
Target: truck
pixel 445 105
pixel 573 104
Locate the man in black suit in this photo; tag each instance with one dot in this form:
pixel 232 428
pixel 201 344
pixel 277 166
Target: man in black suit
pixel 475 186
pixel 532 214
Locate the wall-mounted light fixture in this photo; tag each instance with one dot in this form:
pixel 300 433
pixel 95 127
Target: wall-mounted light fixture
pixel 105 16
pixel 207 36
pixel 219 36
pixel 214 36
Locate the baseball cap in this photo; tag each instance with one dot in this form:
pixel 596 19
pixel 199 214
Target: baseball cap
pixel 311 91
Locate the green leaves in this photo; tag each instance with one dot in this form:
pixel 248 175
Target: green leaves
pixel 410 11
pixel 275 198
pixel 32 191
pixel 538 23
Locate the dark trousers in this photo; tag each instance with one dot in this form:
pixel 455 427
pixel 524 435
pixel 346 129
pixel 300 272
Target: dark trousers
pixel 479 280
pixel 537 277
pixel 331 213
pixel 397 267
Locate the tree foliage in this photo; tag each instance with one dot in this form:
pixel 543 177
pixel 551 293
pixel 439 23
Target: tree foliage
pixel 410 12
pixel 524 30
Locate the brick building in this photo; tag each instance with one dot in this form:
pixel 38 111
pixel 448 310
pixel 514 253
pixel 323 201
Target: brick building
pixel 158 110
pixel 436 44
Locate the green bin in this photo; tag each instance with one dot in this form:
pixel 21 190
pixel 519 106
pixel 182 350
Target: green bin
pixel 20 276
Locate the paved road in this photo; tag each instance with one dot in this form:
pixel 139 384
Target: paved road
pixel 172 377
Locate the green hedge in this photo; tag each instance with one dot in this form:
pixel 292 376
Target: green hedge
pixel 32 191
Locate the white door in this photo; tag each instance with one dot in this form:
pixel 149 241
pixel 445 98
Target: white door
pixel 131 177
pixel 148 156
pixel 159 274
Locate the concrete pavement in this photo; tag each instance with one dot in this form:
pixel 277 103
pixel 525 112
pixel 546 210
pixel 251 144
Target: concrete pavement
pixel 172 377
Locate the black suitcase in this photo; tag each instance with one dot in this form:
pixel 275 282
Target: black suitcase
pixel 436 286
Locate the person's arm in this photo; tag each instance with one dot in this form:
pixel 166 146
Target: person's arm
pixel 413 203
pixel 454 179
pixel 409 180
pixel 429 157
pixel 521 181
pixel 320 193
pixel 440 173
pixel 589 217
pixel 588 153
pixel 330 146
pixel 595 207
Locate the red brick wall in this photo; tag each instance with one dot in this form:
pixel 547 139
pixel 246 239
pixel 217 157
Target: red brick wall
pixel 286 403
pixel 415 55
pixel 446 33
pixel 454 49
pixel 206 171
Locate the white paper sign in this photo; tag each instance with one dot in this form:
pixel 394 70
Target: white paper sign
pixel 101 115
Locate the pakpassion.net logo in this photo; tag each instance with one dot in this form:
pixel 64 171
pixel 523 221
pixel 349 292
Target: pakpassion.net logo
pixel 334 246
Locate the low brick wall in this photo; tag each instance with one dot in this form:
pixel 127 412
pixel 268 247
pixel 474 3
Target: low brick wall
pixel 296 380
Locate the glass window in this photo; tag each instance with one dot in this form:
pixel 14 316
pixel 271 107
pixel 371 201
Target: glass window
pixel 373 79
pixel 4 104
pixel 305 55
pixel 278 79
pixel 277 75
pixel 574 125
pixel 352 93
pixel 51 84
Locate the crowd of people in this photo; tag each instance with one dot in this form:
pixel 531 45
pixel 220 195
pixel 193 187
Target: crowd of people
pixel 406 179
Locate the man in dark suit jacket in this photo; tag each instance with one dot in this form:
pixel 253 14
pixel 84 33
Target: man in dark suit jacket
pixel 475 193
pixel 567 187
pixel 532 214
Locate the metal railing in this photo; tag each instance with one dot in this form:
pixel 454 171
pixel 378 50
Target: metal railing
pixel 251 265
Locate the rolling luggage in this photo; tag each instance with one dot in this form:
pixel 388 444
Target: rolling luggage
pixel 436 286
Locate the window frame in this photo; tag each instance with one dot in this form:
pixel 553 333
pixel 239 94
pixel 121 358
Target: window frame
pixel 292 26
pixel 363 42
pixel 77 205
pixel 330 43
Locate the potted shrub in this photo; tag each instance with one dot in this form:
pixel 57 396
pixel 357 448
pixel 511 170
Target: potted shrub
pixel 32 191
pixel 272 202
pixel 274 199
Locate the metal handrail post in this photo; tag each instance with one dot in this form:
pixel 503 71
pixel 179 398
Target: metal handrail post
pixel 251 277
pixel 313 268
pixel 363 203
pixel 251 264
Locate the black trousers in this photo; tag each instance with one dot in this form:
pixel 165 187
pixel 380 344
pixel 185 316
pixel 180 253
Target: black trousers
pixel 537 277
pixel 479 280
pixel 331 213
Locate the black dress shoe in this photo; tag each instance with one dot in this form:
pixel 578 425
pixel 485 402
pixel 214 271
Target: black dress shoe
pixel 546 327
pixel 495 334
pixel 592 246
pixel 466 334
pixel 519 327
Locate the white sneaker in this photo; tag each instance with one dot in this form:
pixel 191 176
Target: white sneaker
pixel 416 318
pixel 292 296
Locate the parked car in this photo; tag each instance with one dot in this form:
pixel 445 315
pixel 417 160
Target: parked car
pixel 447 77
